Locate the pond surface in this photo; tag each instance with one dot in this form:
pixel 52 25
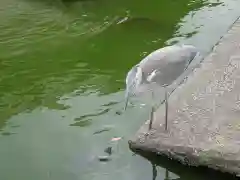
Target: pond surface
pixel 63 66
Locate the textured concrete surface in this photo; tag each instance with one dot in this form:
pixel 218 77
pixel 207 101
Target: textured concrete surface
pixel 204 113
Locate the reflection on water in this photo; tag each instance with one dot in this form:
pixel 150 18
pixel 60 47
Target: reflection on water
pixel 175 170
pixel 85 120
pixel 154 171
pixel 63 65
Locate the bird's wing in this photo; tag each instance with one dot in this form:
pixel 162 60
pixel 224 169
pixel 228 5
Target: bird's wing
pixel 168 55
pixel 166 64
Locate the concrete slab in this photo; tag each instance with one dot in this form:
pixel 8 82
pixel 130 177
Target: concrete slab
pixel 204 113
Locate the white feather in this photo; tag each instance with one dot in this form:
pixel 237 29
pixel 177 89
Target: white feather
pixel 138 76
pixel 151 76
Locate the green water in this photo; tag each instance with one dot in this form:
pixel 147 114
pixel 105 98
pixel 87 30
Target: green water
pixel 62 73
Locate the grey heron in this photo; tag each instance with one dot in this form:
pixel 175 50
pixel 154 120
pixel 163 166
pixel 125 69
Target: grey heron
pixel 161 67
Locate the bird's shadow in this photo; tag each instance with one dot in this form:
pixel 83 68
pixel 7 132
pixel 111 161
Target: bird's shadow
pixel 184 172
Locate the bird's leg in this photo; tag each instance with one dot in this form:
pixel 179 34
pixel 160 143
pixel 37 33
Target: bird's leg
pixel 166 109
pixel 151 118
pixel 151 113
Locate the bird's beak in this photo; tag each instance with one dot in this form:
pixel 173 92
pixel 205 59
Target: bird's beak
pixel 126 100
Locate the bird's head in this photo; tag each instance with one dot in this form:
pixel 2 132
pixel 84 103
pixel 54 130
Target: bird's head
pixel 133 80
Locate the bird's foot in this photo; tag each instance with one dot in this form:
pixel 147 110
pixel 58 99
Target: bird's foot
pixel 143 137
pixel 149 132
pixel 146 134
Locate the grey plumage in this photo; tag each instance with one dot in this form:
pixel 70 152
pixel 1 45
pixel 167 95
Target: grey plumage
pixel 162 67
